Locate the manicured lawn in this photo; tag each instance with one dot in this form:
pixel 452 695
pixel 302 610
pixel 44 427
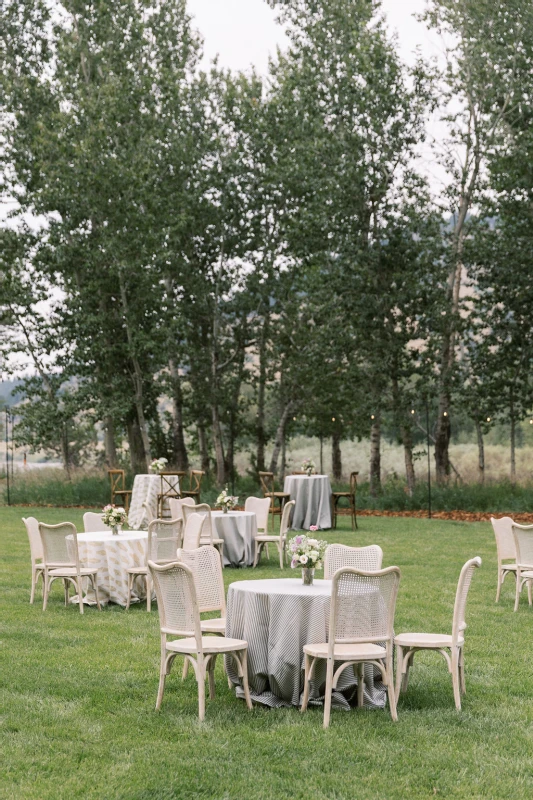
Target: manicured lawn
pixel 79 695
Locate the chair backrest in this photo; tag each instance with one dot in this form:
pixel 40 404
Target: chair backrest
pixel 192 531
pixel 204 510
pixel 55 547
pixel 353 482
pixel 206 566
pixel 267 482
pixel 195 480
pixel 505 543
pixel 169 485
pixel 523 538
pixel 118 480
pixel 36 545
pixel 363 605
pixel 465 579
pixel 176 506
pixel 368 558
pixel 285 522
pixel 298 472
pixel 260 506
pixel 94 522
pixel 164 539
pixel 176 600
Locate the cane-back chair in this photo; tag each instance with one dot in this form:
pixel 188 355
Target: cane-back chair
pixel 94 522
pixel 505 550
pixel 36 553
pixel 523 537
pixel 451 647
pixel 262 540
pixel 177 505
pixel 164 539
pixel 62 560
pixel 348 510
pixel 208 536
pixel 195 484
pixel 179 616
pixel 117 478
pixel 337 556
pixel 260 506
pixel 192 531
pixel 361 625
pixel 268 487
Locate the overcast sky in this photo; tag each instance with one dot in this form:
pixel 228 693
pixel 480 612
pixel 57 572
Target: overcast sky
pixel 244 32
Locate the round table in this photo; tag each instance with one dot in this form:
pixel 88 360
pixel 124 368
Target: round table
pixel 112 555
pixel 277 618
pixel 313 500
pixel 146 489
pixel 238 529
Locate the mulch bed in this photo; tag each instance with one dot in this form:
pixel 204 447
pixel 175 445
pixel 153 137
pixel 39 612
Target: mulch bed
pixel 456 516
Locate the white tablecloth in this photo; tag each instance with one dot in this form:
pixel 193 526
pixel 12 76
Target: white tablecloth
pixel 313 500
pixel 145 490
pixel 238 529
pixel 277 618
pixel 112 555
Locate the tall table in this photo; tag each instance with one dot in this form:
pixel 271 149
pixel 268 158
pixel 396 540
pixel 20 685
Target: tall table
pixel 277 618
pixel 238 529
pixel 313 500
pixel 112 555
pixel 146 488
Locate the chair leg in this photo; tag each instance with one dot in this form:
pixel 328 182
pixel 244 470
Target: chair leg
pixel 281 548
pixel 329 690
pixel 307 670
pixel 399 668
pixel 46 589
pixel 211 676
pixel 245 686
pixel 79 587
pixel 258 548
pixel 455 678
pixel 95 587
pixel 162 677
pixel 148 593
pixel 65 589
pixel 462 671
pixel 518 588
pixel 201 691
pixel 529 599
pixel 390 687
pixel 130 588
pixel 499 586
pixel 33 584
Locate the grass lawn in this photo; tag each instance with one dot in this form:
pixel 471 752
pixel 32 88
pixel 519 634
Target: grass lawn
pixel 79 692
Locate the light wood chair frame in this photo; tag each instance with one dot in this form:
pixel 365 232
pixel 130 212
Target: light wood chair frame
pixel 195 484
pixel 90 519
pixel 351 497
pixel 36 554
pixel 144 572
pixel 199 651
pixel 168 491
pixel 118 487
pixel 58 563
pixel 523 538
pixel 208 531
pixel 337 556
pixel 450 647
pixel 268 486
pixel 505 550
pixel 281 540
pixel 356 658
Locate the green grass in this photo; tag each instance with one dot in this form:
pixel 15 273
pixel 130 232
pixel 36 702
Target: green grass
pixel 79 694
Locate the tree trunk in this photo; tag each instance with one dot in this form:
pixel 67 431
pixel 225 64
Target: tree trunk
pixel 375 456
pixel 179 449
pixel 137 452
pixel 109 442
pixel 480 453
pixel 64 449
pixel 280 436
pixel 513 438
pixel 283 469
pixel 336 456
pixel 218 445
pixel 407 440
pixel 204 451
pixel 261 392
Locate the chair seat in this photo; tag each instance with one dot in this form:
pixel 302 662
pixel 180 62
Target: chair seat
pixel 210 644
pixel 137 570
pixel 509 567
pixel 341 494
pixel 71 571
pixel 214 541
pixel 263 538
pixel 346 652
pixel 277 494
pixel 526 573
pixel 428 640
pixel 216 625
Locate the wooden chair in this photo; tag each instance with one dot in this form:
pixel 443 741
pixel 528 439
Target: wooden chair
pixel 268 487
pixel 523 537
pixel 164 539
pixel 36 553
pixel 361 624
pixel 177 505
pixel 337 510
pixel 94 522
pixel 281 540
pixel 338 556
pixel 179 616
pixel 407 644
pixel 118 488
pixel 168 490
pixel 60 563
pixel 195 483
pixel 208 536
pixel 505 549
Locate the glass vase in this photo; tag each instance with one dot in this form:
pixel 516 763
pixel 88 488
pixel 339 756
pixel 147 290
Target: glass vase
pixel 308 576
pixel 114 530
pixel 225 510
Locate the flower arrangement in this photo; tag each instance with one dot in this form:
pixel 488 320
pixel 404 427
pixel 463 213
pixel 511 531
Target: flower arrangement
pixel 307 553
pixel 113 516
pixel 226 501
pixel 308 466
pixel 158 465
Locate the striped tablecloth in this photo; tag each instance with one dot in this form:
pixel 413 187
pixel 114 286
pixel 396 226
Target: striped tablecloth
pixel 277 618
pixel 238 529
pixel 313 500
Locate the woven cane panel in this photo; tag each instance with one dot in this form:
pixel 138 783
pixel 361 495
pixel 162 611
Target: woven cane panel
pixel 463 587
pixel 364 606
pixel 524 545
pixel 367 559
pixel 204 563
pixel 54 542
pixel 175 599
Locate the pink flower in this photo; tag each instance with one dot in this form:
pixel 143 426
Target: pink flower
pixel 298 540
pixel 313 527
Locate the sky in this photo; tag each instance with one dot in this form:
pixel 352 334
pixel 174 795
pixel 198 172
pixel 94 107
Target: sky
pixel 244 32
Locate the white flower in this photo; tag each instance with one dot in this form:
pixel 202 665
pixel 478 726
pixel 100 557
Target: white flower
pixel 312 542
pixel 303 559
pixel 314 555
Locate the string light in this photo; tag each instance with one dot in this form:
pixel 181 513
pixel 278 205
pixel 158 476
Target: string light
pixel 445 413
pixel 333 419
pixel 488 419
pixel 294 419
pixel 372 416
pixel 412 411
